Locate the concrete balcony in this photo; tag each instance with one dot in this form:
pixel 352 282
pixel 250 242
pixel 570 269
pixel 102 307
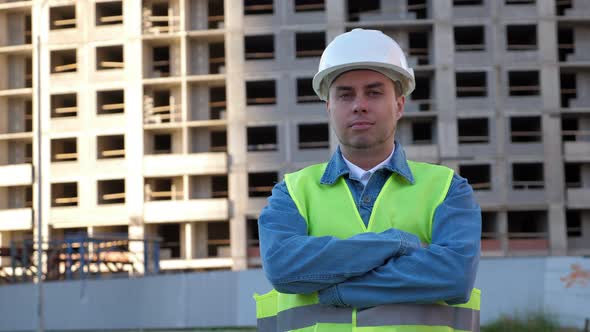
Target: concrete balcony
pixel 15 4
pixel 576 151
pixel 65 215
pixel 426 153
pixel 525 149
pixel 528 247
pixel 255 205
pixel 264 20
pixel 578 198
pixel 16 49
pixel 110 167
pixel 478 148
pixel 474 11
pixel 491 245
pixel 262 158
pixel 526 56
pixel 62 125
pixel 489 198
pixel 579 9
pixel 520 103
pixel 475 104
pixel 526 197
pixel 16 219
pixel 15 92
pixel 256 66
pixel 65 170
pixel 518 10
pixel 194 164
pixel 473 58
pixel 107 215
pixel 201 263
pixel 185 211
pixel 16 175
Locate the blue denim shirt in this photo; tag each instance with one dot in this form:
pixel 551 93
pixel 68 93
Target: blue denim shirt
pixel 371 269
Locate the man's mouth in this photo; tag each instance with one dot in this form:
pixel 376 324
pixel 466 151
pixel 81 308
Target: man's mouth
pixel 360 125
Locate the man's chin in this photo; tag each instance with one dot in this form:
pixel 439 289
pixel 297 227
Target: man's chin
pixel 361 145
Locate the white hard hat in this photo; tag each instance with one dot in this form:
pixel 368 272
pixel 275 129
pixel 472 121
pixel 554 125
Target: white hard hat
pixel 363 49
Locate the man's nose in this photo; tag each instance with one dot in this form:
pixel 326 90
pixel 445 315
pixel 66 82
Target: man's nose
pixel 360 104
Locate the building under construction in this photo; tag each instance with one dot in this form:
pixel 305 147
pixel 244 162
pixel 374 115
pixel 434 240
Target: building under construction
pixel 173 119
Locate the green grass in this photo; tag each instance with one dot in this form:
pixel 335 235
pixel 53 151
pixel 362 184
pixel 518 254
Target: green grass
pixel 535 322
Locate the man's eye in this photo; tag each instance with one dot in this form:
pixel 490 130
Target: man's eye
pixel 345 95
pixel 375 93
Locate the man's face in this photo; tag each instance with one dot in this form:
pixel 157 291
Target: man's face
pixel 364 109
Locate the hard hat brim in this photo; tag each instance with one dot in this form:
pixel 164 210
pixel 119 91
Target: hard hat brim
pixel 324 79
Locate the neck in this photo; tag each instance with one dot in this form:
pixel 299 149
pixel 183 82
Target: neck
pixel 367 158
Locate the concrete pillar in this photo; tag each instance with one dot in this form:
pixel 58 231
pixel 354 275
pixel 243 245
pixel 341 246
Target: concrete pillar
pixel 585 216
pixel 186 240
pixel 202 187
pixel 199 12
pixel 16 72
pixel 3 78
pixel 581 43
pixel 444 85
pixel 502 224
pixel 580 5
pixel 5 238
pixel 553 166
pixel 15 117
pixel 4 122
pixel 335 25
pixel 392 9
pixel 582 89
pixel 585 175
pixel 236 132
pixel 184 71
pixel 4 198
pixel 199 238
pixel 41 198
pixel 4 33
pixel 133 132
pixel 16 197
pixel 557 229
pixel 184 17
pixel 186 189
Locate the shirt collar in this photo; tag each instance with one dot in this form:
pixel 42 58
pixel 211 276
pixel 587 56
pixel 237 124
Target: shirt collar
pixel 397 164
pixel 359 173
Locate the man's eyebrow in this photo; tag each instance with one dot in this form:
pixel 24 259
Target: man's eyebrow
pixel 368 86
pixel 374 85
pixel 343 88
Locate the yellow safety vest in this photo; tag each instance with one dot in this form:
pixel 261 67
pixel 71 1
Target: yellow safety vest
pixel 316 202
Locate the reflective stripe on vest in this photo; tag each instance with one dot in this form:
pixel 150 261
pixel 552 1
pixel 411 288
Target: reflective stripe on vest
pixel 316 202
pixel 429 316
pixel 458 318
pixel 304 316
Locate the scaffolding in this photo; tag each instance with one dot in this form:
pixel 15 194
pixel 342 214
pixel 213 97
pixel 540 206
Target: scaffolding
pixel 81 256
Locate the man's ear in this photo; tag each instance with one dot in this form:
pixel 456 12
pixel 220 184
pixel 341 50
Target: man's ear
pixel 400 103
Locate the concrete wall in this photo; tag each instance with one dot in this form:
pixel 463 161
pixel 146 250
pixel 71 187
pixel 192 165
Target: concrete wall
pixel 224 299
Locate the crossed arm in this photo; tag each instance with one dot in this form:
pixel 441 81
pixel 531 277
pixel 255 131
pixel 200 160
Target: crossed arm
pixel 370 269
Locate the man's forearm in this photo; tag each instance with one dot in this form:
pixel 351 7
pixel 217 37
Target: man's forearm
pixel 303 264
pixel 297 263
pixel 426 275
pixel 443 271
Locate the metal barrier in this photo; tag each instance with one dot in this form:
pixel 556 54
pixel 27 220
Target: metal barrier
pixel 80 256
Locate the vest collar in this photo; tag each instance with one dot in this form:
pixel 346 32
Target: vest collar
pixel 337 167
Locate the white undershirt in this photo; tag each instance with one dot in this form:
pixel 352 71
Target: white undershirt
pixel 360 174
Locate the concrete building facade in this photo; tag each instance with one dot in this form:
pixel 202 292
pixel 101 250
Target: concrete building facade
pixel 174 118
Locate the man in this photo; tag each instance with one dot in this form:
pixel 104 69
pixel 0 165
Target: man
pixel 369 241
